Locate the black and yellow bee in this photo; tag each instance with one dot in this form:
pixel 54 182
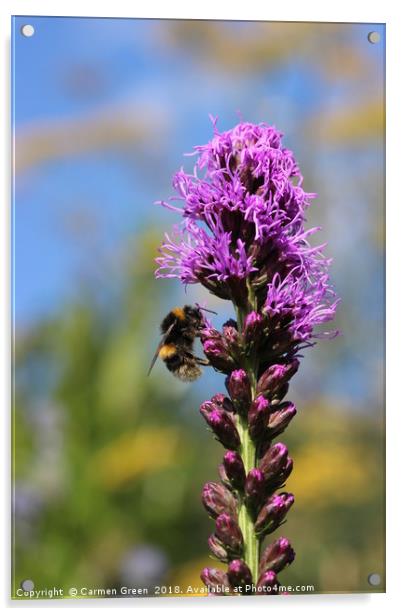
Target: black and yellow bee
pixel 179 329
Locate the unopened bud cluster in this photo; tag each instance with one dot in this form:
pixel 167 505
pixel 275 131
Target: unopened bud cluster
pixel 260 489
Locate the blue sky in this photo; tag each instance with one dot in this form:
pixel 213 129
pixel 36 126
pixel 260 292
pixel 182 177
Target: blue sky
pixel 69 209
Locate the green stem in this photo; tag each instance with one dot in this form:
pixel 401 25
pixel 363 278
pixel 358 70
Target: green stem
pixel 246 523
pixel 248 454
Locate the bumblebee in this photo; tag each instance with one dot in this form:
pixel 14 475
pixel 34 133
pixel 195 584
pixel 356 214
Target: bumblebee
pixel 179 329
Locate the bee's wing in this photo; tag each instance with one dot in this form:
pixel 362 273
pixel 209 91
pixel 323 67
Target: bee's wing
pixel 160 345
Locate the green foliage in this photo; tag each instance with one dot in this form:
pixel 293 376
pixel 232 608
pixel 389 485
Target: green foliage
pixel 107 459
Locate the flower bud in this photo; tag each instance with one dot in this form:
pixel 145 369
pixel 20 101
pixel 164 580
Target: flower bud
pixel 217 499
pixel 223 427
pixel 273 513
pixel 276 464
pixel 216 349
pixel 234 469
pixel 253 328
pixel 239 575
pixel 223 402
pixel 277 556
pixel 258 417
pixel 207 407
pixel 210 333
pixel 230 332
pixel 238 386
pixel 229 533
pixel 232 339
pixel 275 377
pixel 216 580
pixel 255 488
pixel 279 419
pixel 268 584
pixel 217 549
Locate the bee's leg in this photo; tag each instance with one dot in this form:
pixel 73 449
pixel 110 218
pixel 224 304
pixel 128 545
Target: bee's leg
pixel 201 362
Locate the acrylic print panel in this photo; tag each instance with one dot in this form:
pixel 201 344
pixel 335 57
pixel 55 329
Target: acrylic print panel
pixel 117 491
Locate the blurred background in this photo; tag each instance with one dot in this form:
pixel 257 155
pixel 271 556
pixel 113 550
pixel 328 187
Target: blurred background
pixel 109 464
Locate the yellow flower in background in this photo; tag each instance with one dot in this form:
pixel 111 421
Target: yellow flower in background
pixel 330 472
pixel 357 123
pixel 135 454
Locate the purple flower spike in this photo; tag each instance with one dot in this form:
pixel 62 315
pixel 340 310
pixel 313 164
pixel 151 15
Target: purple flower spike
pixel 229 533
pixel 238 386
pixel 243 236
pixel 277 556
pixel 240 577
pixel 234 468
pixel 217 499
pixel 273 513
pixel 243 190
pixel 223 427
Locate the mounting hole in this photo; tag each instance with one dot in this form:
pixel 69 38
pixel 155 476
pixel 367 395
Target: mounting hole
pixel 27 30
pixel 374 37
pixel 374 579
pixel 27 585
